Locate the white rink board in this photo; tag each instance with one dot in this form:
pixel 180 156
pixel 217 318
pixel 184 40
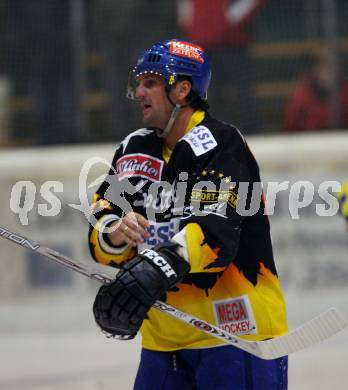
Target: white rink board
pixel 48 339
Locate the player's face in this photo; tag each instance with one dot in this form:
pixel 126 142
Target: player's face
pixel 151 95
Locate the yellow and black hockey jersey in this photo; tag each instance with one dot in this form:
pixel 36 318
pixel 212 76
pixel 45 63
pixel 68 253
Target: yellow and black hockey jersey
pixel 208 191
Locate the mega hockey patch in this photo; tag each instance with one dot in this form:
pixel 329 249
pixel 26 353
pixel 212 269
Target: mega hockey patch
pixel 235 315
pixel 200 139
pixel 141 165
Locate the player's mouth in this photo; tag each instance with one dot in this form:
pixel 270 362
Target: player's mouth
pixel 146 108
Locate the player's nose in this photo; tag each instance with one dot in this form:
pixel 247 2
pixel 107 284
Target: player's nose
pixel 140 91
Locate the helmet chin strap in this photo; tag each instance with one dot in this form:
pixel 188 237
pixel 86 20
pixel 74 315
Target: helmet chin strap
pixel 162 133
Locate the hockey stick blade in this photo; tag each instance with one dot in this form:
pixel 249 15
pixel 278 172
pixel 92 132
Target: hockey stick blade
pixel 310 333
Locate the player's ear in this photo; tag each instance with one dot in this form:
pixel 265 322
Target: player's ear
pixel 183 89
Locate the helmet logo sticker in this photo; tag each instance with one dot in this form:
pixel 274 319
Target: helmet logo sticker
pixel 188 50
pixel 171 80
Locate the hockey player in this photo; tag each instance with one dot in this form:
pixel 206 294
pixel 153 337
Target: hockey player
pixel 188 239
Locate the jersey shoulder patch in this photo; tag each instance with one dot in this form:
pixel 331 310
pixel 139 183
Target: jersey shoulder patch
pixel 200 139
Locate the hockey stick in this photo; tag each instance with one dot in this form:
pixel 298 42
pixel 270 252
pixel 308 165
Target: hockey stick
pixel 312 332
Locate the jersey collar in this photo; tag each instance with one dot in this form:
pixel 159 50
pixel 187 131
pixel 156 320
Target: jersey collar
pixel 196 118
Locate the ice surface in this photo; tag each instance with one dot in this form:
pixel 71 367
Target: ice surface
pixel 50 342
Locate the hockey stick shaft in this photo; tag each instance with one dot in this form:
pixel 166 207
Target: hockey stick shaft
pixel 312 332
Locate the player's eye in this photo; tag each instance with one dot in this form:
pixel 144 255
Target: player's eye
pixel 150 82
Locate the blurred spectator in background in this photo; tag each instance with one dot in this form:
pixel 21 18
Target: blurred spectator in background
pixel 308 107
pixel 122 30
pixel 113 22
pixel 224 29
pixel 39 39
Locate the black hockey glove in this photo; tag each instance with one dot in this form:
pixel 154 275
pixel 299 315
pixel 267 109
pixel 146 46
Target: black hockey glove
pixel 121 306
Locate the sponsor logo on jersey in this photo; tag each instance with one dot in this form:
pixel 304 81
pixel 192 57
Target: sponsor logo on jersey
pixel 188 50
pixel 205 196
pixel 160 232
pixel 201 140
pixel 160 262
pixel 235 315
pixel 141 165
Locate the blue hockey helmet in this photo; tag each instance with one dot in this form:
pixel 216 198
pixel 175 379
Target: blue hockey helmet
pixel 173 58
